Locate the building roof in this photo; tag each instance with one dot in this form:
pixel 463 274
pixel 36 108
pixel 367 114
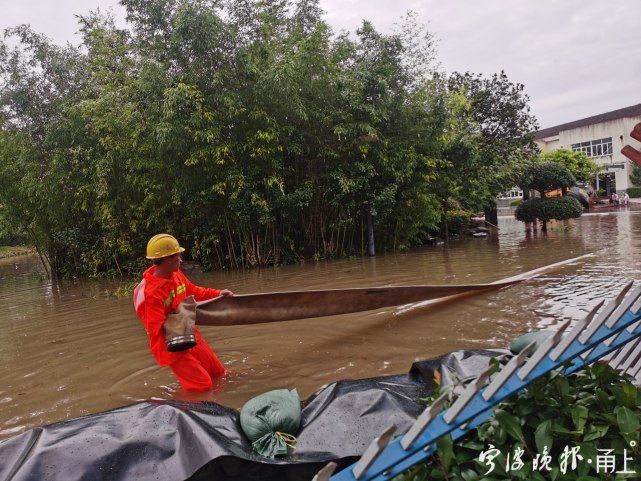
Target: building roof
pixel 632 111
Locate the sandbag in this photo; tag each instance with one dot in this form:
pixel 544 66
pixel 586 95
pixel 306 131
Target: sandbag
pixel 538 337
pixel 203 441
pixel 271 420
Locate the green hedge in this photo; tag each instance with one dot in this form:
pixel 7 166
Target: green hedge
pixel 559 208
pixel 634 191
pixel 527 210
pixel 546 177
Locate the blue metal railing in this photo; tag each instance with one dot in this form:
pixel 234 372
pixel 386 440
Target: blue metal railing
pixel 616 327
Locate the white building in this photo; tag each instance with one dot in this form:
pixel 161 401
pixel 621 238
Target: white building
pixel 601 137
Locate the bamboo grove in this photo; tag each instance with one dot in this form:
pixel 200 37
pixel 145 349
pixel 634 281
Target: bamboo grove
pixel 249 130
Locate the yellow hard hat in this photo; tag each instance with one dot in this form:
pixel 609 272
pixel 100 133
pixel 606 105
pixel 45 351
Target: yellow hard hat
pixel 163 245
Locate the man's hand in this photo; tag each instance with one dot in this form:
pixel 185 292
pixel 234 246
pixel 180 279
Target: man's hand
pixel 226 293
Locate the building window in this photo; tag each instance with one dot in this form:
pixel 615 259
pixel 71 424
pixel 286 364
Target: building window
pixel 515 193
pixel 595 148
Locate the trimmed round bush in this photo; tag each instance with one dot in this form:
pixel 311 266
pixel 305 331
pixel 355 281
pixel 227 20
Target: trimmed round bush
pixel 559 208
pixel 527 210
pixel 546 177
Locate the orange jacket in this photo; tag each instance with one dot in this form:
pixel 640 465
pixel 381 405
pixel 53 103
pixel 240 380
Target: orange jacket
pixel 154 297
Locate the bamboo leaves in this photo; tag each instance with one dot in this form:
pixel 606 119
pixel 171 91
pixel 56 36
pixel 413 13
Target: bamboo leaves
pixel 247 129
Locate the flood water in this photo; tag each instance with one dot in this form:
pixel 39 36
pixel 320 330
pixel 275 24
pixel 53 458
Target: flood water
pixel 70 349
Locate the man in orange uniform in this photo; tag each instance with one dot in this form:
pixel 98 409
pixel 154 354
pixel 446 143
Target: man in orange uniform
pixel 162 288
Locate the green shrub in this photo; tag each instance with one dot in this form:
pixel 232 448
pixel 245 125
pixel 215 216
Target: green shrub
pixel 578 163
pixel 457 220
pixel 13 240
pixel 634 191
pixel 516 202
pixel 527 210
pixel 559 208
pixel 635 175
pixel 10 238
pixel 595 409
pixel 546 177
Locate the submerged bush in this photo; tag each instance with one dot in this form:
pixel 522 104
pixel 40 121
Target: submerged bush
pixel 559 208
pixel 527 210
pixel 593 411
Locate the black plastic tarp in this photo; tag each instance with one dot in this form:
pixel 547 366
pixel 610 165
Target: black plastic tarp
pixel 167 440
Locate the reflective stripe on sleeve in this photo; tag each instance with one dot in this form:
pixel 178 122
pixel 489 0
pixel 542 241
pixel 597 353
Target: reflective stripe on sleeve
pixel 172 294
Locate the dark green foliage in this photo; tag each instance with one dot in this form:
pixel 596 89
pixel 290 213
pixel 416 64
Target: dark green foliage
pixel 634 191
pixel 457 220
pixel 497 111
pixel 528 210
pixel 547 176
pixel 559 208
pixel 10 237
pixel 635 176
pixel 594 409
pixel 248 130
pixel 582 167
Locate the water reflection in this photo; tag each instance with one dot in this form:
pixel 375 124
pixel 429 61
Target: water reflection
pixel 71 348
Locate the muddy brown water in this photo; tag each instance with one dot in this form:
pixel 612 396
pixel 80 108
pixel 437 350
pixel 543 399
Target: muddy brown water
pixel 70 349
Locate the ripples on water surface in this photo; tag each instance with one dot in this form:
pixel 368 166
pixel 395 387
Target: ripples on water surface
pixel 71 349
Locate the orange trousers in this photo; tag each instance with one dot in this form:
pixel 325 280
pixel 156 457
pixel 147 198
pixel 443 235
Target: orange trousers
pixel 198 367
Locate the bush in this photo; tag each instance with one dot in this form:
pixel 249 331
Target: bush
pixel 7 239
pixel 457 220
pixel 634 191
pixel 595 409
pixel 546 177
pixel 516 202
pixel 10 238
pixel 528 209
pixel 635 175
pixel 578 163
pixel 559 208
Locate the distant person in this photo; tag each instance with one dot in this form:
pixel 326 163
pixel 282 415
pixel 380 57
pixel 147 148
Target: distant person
pixel 161 290
pixel 614 198
pixel 625 199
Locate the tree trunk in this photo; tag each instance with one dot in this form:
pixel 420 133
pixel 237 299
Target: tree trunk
pixel 492 216
pixel 371 250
